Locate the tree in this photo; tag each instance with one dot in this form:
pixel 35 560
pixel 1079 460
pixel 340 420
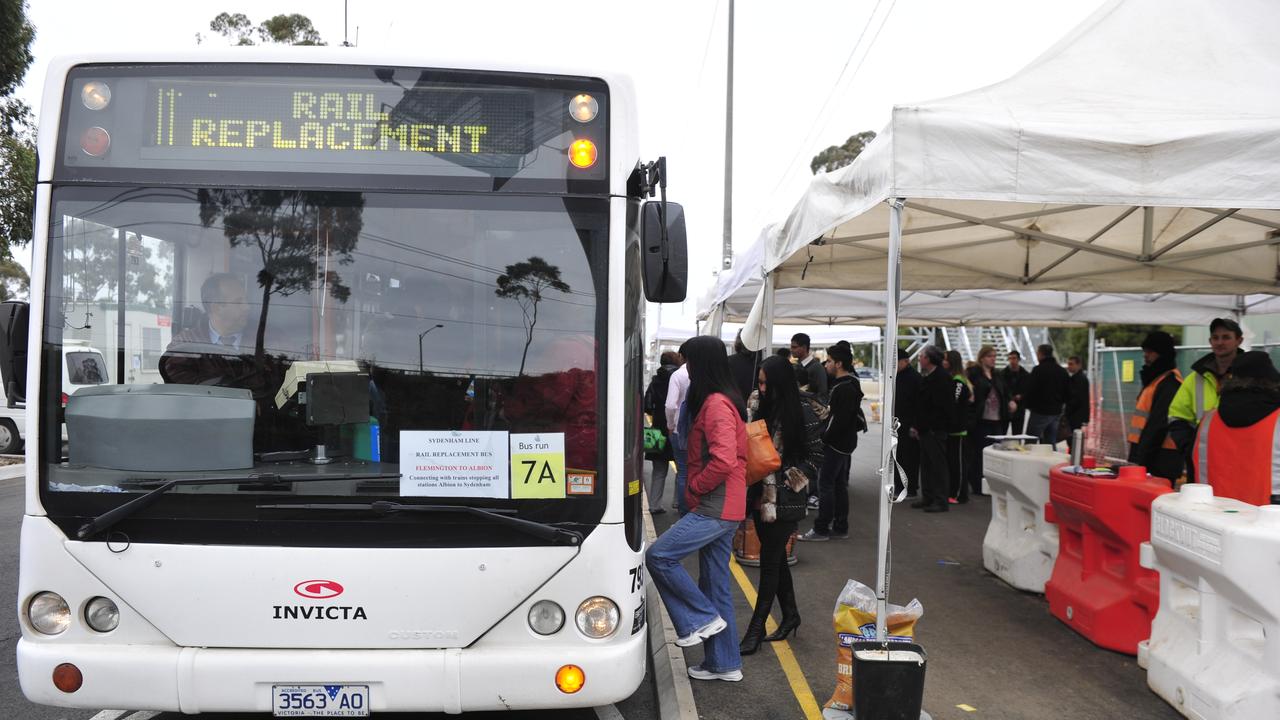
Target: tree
pixel 1075 341
pixel 292 232
pixel 524 282
pixel 14 283
pixel 17 189
pixel 293 29
pixel 17 147
pixel 837 156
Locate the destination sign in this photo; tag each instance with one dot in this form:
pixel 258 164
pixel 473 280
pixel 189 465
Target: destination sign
pixel 301 116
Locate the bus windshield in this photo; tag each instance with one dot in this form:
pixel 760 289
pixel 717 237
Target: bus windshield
pixel 460 334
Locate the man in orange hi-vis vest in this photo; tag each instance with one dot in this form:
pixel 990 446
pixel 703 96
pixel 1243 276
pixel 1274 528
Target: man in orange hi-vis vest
pixel 1238 445
pixel 1149 441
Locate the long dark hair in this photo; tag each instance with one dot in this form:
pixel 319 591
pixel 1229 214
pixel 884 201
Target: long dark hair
pixel 709 374
pixel 780 403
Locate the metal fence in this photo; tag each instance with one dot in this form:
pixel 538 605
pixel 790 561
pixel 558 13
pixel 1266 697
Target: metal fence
pixel 1116 386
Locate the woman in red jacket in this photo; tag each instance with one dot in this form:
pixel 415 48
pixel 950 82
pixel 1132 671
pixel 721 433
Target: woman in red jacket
pixel 716 495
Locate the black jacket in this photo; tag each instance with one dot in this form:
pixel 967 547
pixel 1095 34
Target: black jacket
pixel 906 397
pixel 1148 451
pixel 743 367
pixel 813 377
pixel 1246 401
pixel 1016 382
pixel 655 396
pixel 1047 389
pixel 1077 406
pixel 937 402
pixel 842 422
pixel 982 387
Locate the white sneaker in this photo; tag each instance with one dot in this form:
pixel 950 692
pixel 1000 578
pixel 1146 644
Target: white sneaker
pixel 697 673
pixel 702 633
pixel 813 536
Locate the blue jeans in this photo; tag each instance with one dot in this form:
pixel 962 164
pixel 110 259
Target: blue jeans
pixel 682 475
pixel 693 606
pixel 1044 427
pixel 679 447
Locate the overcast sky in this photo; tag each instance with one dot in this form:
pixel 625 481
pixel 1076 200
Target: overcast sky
pixel 803 80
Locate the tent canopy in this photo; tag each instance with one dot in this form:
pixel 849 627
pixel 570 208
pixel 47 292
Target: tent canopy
pixel 1140 155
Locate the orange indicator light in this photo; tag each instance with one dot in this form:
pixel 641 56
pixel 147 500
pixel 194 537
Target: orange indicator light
pixel 570 679
pixel 582 153
pixel 67 678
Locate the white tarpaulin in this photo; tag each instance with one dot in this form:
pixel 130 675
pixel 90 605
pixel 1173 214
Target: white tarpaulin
pixel 819 337
pixel 1140 154
pixel 821 306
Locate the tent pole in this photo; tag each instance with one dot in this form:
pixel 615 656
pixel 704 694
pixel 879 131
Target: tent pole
pixel 1091 433
pixel 888 433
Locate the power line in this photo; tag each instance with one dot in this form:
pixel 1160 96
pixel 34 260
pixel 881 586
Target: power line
pixel 837 85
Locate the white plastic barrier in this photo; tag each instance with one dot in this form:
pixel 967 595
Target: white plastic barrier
pixel 1020 546
pixel 1214 650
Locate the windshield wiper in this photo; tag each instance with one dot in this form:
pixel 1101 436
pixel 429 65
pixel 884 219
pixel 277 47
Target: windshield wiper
pixel 551 533
pixel 162 486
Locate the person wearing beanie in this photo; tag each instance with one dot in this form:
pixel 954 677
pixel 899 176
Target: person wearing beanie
pixel 1149 443
pixel 1236 445
pixel 839 439
pixel 1199 392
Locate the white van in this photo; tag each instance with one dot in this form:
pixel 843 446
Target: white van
pixel 83 366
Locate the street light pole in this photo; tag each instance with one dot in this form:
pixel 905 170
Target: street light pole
pixel 420 336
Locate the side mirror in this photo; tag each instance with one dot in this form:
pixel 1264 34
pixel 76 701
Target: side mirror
pixel 14 318
pixel 666 257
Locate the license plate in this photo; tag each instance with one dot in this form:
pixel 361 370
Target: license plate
pixel 320 700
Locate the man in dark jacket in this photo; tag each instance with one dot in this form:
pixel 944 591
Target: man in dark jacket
pixel 906 397
pixel 1045 395
pixel 809 373
pixel 838 442
pixel 655 401
pixel 936 407
pixel 743 365
pixel 1149 443
pixel 1015 381
pixel 1077 406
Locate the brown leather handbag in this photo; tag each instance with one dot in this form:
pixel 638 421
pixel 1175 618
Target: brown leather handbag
pixel 762 456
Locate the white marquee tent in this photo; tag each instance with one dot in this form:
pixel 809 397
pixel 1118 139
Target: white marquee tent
pixel 1140 154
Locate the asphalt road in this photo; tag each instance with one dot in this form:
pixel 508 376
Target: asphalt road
pixel 991 648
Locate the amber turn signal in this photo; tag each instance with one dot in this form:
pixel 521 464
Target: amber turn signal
pixel 67 678
pixel 570 679
pixel 582 153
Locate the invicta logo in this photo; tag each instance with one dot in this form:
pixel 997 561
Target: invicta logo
pixel 319 612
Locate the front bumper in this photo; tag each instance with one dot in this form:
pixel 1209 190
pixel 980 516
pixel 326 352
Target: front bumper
pixel 194 680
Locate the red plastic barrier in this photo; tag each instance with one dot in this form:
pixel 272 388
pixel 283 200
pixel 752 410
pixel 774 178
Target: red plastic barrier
pixel 1097 586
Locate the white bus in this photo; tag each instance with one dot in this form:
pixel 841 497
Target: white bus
pixel 388 456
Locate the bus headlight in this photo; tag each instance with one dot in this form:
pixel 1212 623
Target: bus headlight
pixel 597 617
pixel 102 615
pixel 49 613
pixel 583 108
pixel 95 95
pixel 546 617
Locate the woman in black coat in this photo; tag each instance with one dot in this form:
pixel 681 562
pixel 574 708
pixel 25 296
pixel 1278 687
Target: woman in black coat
pixel 992 405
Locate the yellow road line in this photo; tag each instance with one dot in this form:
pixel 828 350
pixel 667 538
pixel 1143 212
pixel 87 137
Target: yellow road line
pixel 791 668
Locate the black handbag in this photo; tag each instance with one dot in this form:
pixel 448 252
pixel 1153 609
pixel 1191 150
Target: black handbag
pixel 792 505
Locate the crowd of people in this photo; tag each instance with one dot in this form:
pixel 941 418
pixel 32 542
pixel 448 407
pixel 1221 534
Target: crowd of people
pixel 1221 425
pixel 812 412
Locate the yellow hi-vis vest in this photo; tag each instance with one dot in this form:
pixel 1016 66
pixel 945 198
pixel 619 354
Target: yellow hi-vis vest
pixel 1138 420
